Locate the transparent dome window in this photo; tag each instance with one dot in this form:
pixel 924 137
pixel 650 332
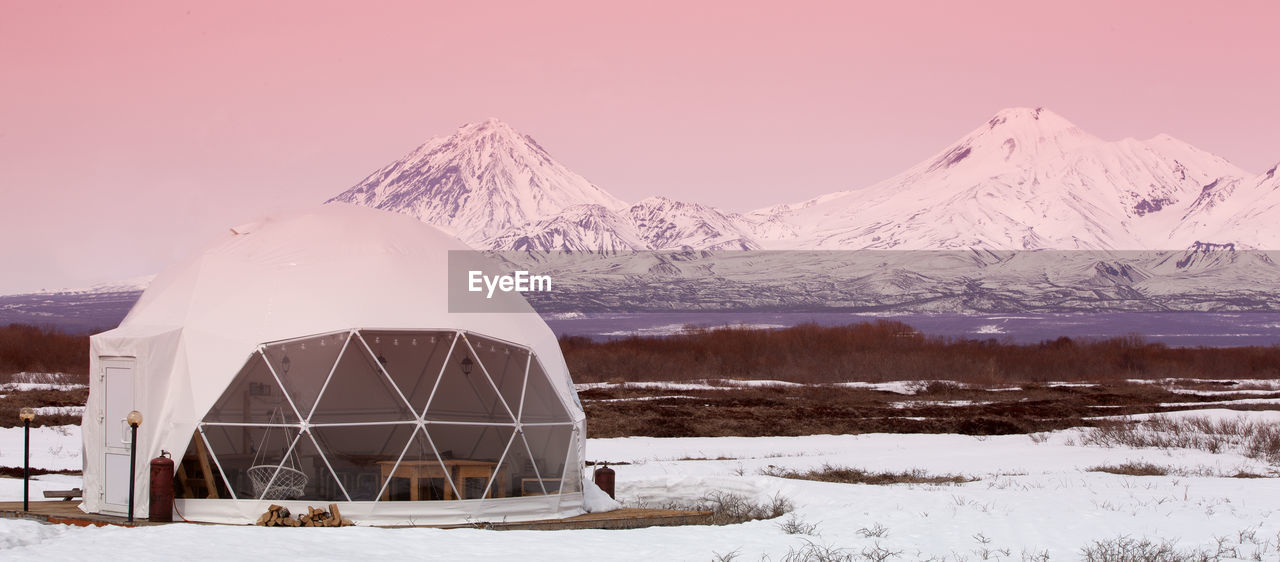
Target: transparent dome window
pixel 385 415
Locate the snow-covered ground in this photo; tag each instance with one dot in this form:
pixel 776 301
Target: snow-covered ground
pixel 1034 495
pixel 22 382
pixel 53 448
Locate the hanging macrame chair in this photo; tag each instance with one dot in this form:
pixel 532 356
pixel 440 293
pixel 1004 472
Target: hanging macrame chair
pixel 281 481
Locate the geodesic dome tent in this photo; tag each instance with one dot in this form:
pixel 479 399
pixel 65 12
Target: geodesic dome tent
pixel 312 359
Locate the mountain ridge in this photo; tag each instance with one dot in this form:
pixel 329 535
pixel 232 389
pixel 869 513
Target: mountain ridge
pixel 1027 178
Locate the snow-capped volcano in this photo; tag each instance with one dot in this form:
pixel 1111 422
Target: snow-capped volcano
pixel 1027 179
pixel 476 183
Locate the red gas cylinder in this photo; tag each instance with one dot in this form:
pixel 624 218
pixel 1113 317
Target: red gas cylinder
pixel 604 479
pixel 161 508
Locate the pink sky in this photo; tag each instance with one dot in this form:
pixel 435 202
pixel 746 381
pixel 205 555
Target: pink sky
pixel 131 133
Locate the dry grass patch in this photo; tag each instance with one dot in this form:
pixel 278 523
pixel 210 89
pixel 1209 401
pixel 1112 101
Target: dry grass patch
pixel 729 509
pixel 1132 468
pixel 849 475
pixel 13 402
pixel 1254 439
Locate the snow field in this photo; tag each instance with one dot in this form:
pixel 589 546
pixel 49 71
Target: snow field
pixel 1033 496
pixel 53 448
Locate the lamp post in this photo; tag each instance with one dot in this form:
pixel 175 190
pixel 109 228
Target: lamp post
pixel 134 419
pixel 27 415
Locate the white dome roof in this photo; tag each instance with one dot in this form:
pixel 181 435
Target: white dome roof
pixel 332 267
pixel 328 268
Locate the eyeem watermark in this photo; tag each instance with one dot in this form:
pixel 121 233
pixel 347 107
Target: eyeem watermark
pixel 520 281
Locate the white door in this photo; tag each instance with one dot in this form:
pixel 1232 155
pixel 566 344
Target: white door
pixel 118 402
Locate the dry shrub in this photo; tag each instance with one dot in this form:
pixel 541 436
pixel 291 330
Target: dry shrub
pixel 848 475
pixel 795 525
pixel 816 552
pixel 1255 439
pixel 1129 549
pixel 729 508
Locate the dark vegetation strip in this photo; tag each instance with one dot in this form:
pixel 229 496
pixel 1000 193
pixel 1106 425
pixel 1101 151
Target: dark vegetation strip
pixel 13 402
pixel 16 471
pixel 820 356
pixel 42 350
pixel 826 409
pixel 817 356
pixel 887 350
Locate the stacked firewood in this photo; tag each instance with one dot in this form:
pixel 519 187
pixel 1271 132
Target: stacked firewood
pixel 316 517
pixel 279 516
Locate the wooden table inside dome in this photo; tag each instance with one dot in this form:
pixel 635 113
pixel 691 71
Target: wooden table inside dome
pixel 459 470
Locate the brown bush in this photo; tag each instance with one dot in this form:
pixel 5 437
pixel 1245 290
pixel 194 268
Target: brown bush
pixel 42 349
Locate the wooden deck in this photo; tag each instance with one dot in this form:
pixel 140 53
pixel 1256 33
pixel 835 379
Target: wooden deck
pixel 66 512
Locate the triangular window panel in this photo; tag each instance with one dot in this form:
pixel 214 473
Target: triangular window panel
pixel 545 459
pixel 541 403
pixel 506 481
pixel 505 365
pixel 195 475
pixel 412 359
pixel 304 364
pixel 240 450
pixel 464 392
pixel 306 476
pixel 252 397
pixel 421 475
pixel 362 455
pixel 360 392
pixel 473 455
